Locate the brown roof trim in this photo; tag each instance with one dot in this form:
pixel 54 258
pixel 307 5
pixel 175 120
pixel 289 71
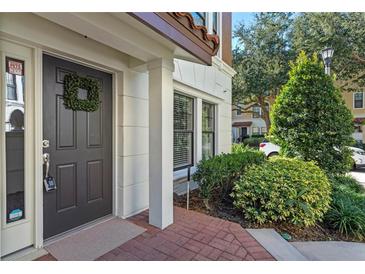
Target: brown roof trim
pixel 181 30
pixel 187 20
pixel 241 124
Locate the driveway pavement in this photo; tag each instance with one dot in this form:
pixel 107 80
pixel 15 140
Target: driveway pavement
pixel 359 175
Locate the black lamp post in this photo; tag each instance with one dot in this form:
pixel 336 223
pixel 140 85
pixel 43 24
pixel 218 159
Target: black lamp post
pixel 327 54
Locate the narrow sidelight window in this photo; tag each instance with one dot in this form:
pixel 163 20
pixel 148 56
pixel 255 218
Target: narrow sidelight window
pixel 208 127
pixel 183 131
pixel 358 100
pixel 14 140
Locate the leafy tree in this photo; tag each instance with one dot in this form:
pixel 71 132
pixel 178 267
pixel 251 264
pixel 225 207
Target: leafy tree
pixel 261 60
pixel 310 119
pixel 345 32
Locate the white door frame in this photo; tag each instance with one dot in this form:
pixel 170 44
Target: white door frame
pixel 117 80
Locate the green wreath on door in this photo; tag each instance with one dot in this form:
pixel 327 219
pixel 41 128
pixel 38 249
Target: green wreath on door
pixel 71 84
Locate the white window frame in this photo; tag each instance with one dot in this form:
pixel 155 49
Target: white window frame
pixel 193 160
pixel 353 100
pixel 215 110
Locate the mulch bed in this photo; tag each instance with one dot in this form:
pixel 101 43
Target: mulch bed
pixel 228 212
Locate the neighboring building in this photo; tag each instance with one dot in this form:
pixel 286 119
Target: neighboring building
pixel 355 102
pixel 165 104
pixel 250 123
pixel 247 121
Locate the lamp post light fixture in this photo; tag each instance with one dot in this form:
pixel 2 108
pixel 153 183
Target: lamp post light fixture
pixel 327 54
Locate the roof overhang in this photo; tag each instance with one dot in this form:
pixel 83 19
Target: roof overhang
pixel 179 28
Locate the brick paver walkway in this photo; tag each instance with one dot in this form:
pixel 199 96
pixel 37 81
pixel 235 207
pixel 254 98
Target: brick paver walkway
pixel 193 236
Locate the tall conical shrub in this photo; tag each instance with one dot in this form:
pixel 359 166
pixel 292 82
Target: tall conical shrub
pixel 310 119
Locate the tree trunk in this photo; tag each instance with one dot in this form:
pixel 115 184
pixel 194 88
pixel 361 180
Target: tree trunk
pixel 265 112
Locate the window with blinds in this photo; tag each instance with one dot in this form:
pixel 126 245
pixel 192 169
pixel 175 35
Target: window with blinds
pixel 183 131
pixel 208 125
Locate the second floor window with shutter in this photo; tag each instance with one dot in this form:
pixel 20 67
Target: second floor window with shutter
pixel 183 131
pixel 358 100
pixel 200 18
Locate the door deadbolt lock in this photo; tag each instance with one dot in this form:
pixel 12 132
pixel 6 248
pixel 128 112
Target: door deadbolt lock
pixel 45 143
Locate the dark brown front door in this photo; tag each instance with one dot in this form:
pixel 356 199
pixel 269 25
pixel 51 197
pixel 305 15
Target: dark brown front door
pixel 80 150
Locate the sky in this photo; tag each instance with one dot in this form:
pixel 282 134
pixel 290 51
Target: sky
pixel 237 17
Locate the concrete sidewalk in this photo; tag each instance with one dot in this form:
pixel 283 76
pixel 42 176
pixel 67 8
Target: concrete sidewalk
pixel 331 251
pixel 283 250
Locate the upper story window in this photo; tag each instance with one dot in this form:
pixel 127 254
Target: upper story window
pixel 256 111
pixel 200 18
pixel 215 22
pixel 358 100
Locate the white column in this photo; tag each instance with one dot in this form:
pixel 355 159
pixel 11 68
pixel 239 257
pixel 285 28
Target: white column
pixel 198 129
pixel 161 104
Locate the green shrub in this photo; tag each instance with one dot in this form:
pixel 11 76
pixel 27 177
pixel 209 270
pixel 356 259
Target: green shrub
pixel 253 141
pixel 217 174
pixel 346 216
pixel 310 119
pixel 283 190
pixel 347 210
pixel 239 148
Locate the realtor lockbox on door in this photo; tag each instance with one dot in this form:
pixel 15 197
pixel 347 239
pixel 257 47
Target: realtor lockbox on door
pixel 49 181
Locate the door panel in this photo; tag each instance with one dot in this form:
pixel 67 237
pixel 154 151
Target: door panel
pixel 80 150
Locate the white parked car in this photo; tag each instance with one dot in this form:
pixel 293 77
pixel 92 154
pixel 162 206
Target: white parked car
pixel 358 154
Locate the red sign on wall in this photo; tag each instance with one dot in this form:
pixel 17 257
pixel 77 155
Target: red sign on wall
pixel 14 66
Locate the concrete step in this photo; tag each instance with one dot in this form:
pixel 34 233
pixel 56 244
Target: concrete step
pixel 276 245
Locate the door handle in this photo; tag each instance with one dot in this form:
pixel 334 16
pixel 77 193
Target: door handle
pixel 46 161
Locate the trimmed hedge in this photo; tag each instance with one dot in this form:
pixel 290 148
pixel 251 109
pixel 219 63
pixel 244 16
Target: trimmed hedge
pixel 283 190
pixel 217 174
